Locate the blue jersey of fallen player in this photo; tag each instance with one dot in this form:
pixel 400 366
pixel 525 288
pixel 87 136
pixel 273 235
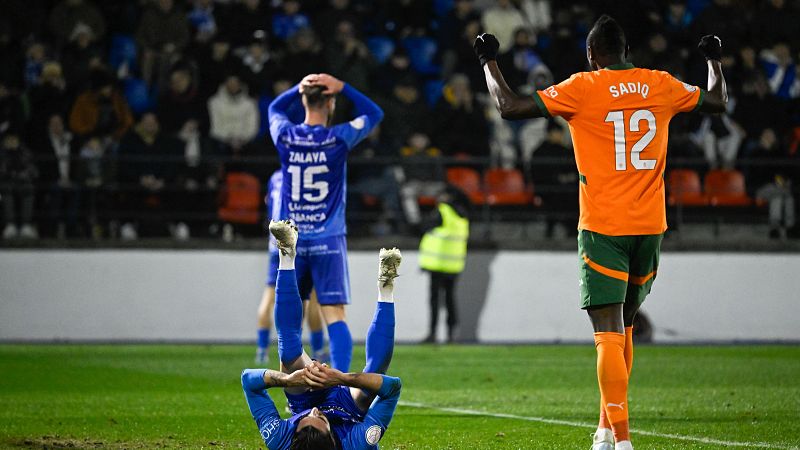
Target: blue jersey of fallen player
pixel 350 433
pixel 273 201
pixel 314 162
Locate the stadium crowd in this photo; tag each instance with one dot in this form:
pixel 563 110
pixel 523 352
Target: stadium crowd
pixel 124 118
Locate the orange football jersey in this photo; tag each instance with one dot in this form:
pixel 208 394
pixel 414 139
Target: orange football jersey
pixel 619 119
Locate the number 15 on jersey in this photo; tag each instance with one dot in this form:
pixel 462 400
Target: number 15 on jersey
pixel 313 191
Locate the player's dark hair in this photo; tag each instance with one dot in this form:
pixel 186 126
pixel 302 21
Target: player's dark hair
pixel 314 96
pixel 606 38
pixel 310 438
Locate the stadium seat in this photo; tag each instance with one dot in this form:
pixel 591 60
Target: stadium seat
pixel 381 48
pixel 422 53
pixel 726 188
pixel 433 91
pixel 138 95
pixel 468 180
pixel 507 187
pixel 442 7
pixel 684 188
pixel 241 199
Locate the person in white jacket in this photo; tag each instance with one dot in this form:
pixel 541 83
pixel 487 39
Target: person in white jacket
pixel 233 114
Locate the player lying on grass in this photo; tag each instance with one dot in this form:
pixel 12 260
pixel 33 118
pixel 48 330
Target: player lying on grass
pixel 619 118
pixel 330 409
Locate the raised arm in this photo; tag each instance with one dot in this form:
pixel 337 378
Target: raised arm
pixel 508 103
pixel 278 111
pixel 276 433
pixel 363 106
pixel 716 99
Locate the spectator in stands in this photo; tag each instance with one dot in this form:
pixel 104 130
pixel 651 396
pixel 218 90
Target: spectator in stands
pixel 35 57
pixel 304 55
pixel 80 56
pixel 69 14
pixel 757 109
pixel 775 20
pixel 677 22
pixel 781 71
pixel 520 59
pixel 202 20
pixel 326 19
pixel 148 163
pixel 101 111
pixel 772 182
pixel 163 32
pixel 12 115
pixel 348 57
pixel 460 126
pixel 214 64
pixel 502 20
pixel 181 103
pixel 423 175
pixel 406 114
pixel 453 24
pixel 658 55
pixel 233 116
pixel 243 20
pixel 455 60
pixel 59 172
pixel 198 176
pixel 17 176
pixel 48 98
pixel 552 169
pixel 396 67
pixel 289 20
pixel 259 65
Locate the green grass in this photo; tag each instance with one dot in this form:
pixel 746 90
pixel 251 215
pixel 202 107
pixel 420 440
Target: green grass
pixel 160 396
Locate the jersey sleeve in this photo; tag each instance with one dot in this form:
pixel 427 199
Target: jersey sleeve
pixel 278 111
pixel 368 115
pixel 684 97
pixel 367 434
pixel 277 433
pixel 561 99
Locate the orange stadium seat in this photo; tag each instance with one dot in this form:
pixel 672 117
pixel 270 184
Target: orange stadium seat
pixel 241 199
pixel 507 187
pixel 726 188
pixel 684 188
pixel 468 180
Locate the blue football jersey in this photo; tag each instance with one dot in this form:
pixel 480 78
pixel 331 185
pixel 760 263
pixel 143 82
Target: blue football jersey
pixel 314 163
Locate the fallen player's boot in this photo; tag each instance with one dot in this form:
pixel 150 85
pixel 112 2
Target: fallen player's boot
pixel 285 232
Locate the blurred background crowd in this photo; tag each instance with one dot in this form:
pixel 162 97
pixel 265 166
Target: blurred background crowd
pixel 147 118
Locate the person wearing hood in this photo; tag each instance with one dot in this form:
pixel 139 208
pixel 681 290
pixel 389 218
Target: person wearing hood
pixel 233 114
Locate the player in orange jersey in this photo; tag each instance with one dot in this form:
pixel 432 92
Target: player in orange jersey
pixel 619 119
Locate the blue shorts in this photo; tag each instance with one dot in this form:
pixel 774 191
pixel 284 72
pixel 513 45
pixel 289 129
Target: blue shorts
pixel 272 270
pixel 321 264
pixel 336 403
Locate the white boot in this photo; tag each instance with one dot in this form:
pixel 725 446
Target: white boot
pixel 603 439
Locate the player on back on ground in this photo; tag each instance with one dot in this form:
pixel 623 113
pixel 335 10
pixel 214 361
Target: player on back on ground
pixel 330 409
pixel 313 158
pixel 619 119
pixel 312 313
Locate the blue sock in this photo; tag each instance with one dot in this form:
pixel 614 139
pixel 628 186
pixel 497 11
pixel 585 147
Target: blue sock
pixel 380 339
pixel 288 316
pixel 263 338
pixel 317 341
pixel 341 345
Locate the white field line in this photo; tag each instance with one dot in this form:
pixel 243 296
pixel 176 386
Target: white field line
pixel 703 440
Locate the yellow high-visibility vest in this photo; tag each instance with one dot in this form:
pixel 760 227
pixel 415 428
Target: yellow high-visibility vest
pixel 444 249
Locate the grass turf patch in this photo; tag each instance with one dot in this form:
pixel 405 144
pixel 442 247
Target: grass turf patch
pixel 188 396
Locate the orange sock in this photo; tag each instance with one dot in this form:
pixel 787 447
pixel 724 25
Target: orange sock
pixel 629 349
pixel 612 376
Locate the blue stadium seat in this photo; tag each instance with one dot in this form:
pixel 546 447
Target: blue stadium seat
pixel 138 95
pixel 442 7
pixel 381 48
pixel 122 51
pixel 433 91
pixel 422 53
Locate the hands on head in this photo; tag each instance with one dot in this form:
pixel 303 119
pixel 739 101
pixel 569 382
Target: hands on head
pixel 316 376
pixel 332 84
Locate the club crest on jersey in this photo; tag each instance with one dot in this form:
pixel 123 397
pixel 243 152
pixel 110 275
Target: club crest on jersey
pixel 358 123
pixel 689 87
pixel 629 88
pixel 307 157
pixel 373 435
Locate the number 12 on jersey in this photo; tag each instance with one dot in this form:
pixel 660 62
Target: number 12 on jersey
pixel 621 160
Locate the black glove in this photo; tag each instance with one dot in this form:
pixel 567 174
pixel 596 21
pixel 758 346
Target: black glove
pixel 711 47
pixel 486 47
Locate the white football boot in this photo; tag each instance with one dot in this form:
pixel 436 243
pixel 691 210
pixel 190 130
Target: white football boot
pixel 387 267
pixel 623 445
pixel 285 232
pixel 603 439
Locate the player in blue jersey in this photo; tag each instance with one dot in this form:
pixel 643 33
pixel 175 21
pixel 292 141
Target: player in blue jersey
pixel 313 315
pixel 330 409
pixel 313 158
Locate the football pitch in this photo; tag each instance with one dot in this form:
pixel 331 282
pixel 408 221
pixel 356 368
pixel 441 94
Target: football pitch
pixel 454 397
